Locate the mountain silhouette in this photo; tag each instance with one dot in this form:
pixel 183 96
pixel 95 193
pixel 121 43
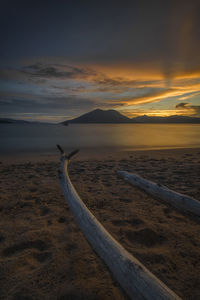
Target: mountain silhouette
pixel 100 116
pixel 113 116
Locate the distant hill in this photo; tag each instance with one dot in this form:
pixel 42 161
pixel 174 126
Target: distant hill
pixel 14 121
pixel 100 116
pixel 163 120
pixel 113 116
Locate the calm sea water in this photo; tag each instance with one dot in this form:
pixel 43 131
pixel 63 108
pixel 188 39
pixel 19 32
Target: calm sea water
pixel 43 138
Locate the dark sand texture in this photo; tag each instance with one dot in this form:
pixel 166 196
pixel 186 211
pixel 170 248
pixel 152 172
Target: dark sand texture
pixel 43 254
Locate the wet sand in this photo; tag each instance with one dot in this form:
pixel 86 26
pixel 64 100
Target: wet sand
pixel 43 254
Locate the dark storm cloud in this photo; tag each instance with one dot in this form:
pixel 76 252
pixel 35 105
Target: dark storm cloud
pixel 57 71
pixel 149 34
pixel 195 109
pixel 58 55
pixel 41 71
pixel 182 105
pixel 105 81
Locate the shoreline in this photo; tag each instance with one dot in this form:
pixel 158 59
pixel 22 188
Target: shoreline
pixel 94 154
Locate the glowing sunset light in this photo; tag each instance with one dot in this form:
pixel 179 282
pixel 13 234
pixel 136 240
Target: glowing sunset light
pixel 100 59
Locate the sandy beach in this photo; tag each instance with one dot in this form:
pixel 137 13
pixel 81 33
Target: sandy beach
pixel 44 255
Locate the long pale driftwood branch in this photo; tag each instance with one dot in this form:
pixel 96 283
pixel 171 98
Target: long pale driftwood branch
pixel 133 277
pixel 182 202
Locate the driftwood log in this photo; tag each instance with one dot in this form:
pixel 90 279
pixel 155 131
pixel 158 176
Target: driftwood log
pixel 180 201
pixel 134 278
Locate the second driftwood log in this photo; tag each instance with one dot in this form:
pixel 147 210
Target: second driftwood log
pixel 180 201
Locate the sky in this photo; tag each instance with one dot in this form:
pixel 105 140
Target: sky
pixel 60 59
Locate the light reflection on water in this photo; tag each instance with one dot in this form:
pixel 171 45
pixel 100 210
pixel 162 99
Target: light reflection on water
pixel 43 138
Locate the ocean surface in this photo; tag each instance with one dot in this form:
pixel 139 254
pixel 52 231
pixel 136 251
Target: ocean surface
pixel 43 138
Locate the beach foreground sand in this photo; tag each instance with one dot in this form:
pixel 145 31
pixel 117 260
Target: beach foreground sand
pixel 43 254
